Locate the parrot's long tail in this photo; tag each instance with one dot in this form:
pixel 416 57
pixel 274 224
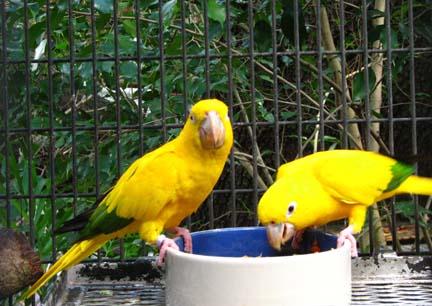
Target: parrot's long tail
pixel 77 253
pixel 417 185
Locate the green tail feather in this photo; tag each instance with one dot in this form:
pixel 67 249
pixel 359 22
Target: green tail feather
pixel 400 172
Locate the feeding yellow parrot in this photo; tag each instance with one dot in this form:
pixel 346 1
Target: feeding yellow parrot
pixel 332 185
pixel 157 191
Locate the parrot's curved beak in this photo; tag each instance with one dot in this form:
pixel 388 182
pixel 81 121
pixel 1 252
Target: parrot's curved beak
pixel 212 131
pixel 278 234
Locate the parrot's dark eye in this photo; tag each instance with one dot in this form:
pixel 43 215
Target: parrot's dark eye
pixel 192 118
pixel 291 208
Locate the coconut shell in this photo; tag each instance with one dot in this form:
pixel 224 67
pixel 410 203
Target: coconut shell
pixel 20 266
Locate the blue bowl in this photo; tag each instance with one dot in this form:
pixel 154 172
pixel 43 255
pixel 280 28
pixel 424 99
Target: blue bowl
pixel 252 242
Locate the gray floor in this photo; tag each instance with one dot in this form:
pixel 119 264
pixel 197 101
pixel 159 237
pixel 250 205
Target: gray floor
pixel 383 280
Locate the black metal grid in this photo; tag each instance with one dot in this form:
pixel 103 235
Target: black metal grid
pixel 234 199
pixel 382 280
pixel 412 292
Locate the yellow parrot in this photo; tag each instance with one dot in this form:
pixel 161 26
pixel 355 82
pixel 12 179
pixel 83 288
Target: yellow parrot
pixel 157 191
pixel 332 185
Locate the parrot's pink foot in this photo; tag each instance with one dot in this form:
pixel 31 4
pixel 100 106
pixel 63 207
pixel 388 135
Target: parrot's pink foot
pixel 348 234
pixel 165 244
pixel 185 234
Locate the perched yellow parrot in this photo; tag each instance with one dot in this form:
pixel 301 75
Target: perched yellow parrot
pixel 157 191
pixel 332 185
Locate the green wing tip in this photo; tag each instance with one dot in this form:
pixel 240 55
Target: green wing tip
pixel 400 172
pixel 102 222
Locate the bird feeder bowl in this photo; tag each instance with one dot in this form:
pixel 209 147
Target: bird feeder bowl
pixel 237 266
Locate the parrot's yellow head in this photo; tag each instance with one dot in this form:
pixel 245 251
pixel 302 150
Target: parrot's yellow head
pixel 209 118
pixel 280 212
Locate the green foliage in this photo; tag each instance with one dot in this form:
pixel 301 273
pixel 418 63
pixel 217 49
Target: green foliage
pixel 407 210
pixel 289 19
pixel 359 85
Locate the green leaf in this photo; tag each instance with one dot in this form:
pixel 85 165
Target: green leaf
pixel 288 21
pixel 129 70
pixel 104 6
pixel 216 11
pixel 394 42
pixel 107 47
pixel 174 46
pixel 57 17
pixel 403 30
pixel 107 66
pixel 85 70
pixel 62 45
pixel 372 14
pixel 286 60
pixel 268 116
pixel 35 32
pixel 359 92
pixel 380 33
pixel 34 8
pixel 377 114
pixel 130 27
pixel 126 45
pixel 407 210
pixel 267 78
pixel 168 10
pixel 103 22
pixel 262 37
pixel 62 5
pixel 288 115
pixel 215 30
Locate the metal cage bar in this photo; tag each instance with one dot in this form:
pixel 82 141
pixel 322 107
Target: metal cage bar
pixel 214 56
pixel 162 59
pixel 321 97
pixel 29 131
pixel 229 69
pixel 297 52
pixel 253 105
pixel 51 132
pixel 275 84
pixel 413 114
pixel 6 204
pixel 139 76
pixel 388 75
pixel 343 51
pixel 96 127
pixel 73 106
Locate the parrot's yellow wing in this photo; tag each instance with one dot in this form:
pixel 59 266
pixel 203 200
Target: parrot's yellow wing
pixel 138 195
pixel 358 176
pixel 152 180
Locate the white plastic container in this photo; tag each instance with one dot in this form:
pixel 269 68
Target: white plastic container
pixel 312 279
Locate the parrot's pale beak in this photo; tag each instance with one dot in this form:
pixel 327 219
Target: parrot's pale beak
pixel 212 131
pixel 278 234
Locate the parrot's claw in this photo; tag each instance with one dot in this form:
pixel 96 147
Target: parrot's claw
pixel 348 234
pixel 187 238
pixel 167 243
